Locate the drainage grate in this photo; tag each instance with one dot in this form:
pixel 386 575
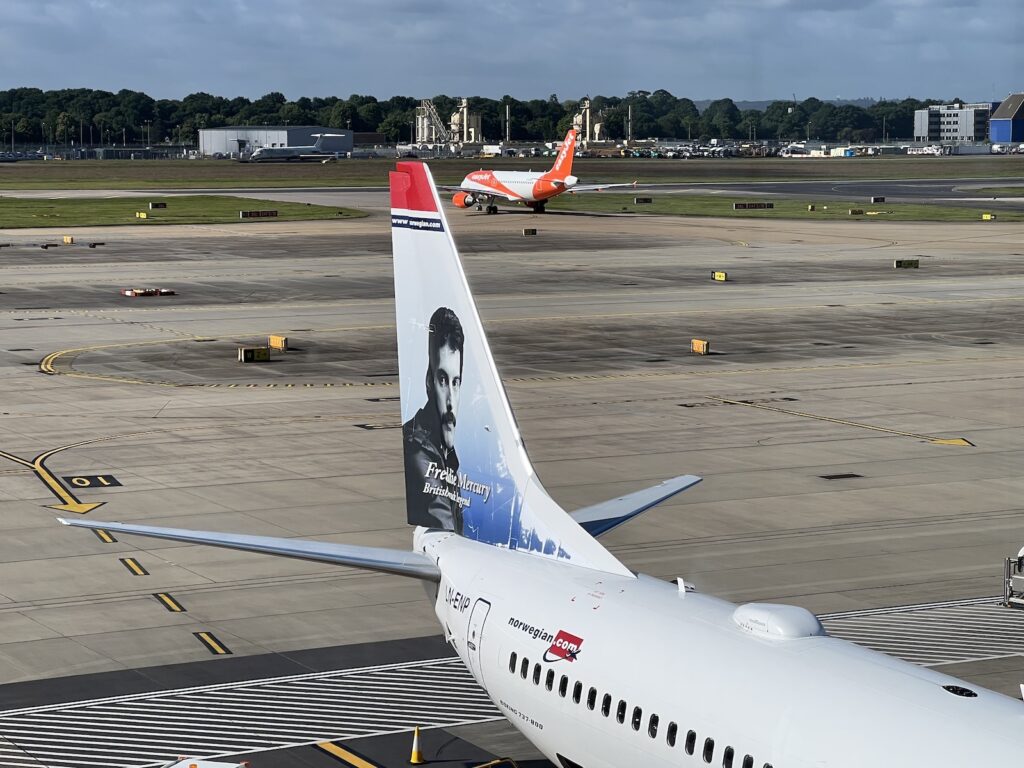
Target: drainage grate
pixel 841 476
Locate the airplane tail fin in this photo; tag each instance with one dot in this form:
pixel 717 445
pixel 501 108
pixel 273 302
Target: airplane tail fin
pixel 466 467
pixel 562 169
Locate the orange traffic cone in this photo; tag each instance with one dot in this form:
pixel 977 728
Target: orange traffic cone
pixel 416 758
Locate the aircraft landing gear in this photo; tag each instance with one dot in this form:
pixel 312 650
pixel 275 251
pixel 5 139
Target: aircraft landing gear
pixel 538 207
pixel 492 209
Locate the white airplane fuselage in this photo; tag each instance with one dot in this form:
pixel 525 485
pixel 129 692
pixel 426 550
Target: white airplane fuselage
pixel 802 702
pixel 522 186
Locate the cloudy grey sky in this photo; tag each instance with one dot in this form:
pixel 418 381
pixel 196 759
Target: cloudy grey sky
pixel 743 49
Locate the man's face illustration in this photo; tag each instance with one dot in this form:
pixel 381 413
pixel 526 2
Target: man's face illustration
pixel 445 381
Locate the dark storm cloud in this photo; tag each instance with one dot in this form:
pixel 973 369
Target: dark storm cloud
pixel 746 49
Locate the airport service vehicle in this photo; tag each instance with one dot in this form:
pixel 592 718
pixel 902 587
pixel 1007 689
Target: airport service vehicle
pixel 481 188
pixel 599 666
pixel 296 154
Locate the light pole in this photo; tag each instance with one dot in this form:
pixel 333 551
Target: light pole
pixel 148 141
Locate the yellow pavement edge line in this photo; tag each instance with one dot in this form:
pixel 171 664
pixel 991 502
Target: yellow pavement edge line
pixel 104 536
pixel 343 754
pixel 844 422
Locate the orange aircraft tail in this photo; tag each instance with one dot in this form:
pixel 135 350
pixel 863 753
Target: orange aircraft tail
pixel 562 168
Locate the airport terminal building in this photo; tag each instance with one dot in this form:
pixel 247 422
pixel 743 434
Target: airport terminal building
pixel 234 139
pixel 953 123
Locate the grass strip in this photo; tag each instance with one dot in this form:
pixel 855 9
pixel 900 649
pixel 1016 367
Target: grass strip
pixel 186 209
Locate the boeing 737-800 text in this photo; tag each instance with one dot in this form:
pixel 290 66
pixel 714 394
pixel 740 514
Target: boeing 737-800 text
pixel 598 666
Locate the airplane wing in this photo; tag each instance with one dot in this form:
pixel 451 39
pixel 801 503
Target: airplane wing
pixel 598 187
pixel 480 194
pixel 601 518
pixel 395 561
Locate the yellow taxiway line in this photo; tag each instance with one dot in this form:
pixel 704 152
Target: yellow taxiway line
pixel 349 758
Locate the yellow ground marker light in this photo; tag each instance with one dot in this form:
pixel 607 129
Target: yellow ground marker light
pixel 133 566
pixel 215 646
pixel 169 602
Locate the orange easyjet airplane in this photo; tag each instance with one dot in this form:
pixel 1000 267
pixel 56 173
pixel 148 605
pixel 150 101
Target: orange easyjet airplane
pixel 482 188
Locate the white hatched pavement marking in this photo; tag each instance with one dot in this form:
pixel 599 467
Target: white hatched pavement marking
pixel 148 729
pixel 234 718
pixel 932 634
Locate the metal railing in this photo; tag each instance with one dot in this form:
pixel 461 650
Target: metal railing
pixel 1013 581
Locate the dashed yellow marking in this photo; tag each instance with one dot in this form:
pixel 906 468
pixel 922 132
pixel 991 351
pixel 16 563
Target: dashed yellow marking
pixel 133 565
pixel 845 422
pixel 347 757
pixel 215 646
pixel 169 602
pixel 103 536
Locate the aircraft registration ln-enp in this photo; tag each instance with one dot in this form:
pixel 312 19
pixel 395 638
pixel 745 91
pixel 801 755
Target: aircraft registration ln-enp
pixel 481 188
pixel 598 666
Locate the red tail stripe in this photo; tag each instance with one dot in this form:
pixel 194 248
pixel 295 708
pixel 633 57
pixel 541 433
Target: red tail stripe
pixel 410 188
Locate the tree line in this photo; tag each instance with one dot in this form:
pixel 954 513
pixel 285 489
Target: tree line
pixel 82 115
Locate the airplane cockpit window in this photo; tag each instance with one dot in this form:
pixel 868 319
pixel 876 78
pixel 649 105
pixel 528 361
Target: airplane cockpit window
pixel 709 750
pixel 512 662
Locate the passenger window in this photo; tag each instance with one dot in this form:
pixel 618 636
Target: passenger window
pixel 577 692
pixel 536 674
pixel 748 762
pixel 512 662
pixel 652 727
pixel 638 716
pixel 709 750
pixel 525 669
pixel 670 734
pixel 691 742
pixel 563 686
pixel 606 704
pixel 620 711
pixel 549 681
pixel 592 698
pixel 727 758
